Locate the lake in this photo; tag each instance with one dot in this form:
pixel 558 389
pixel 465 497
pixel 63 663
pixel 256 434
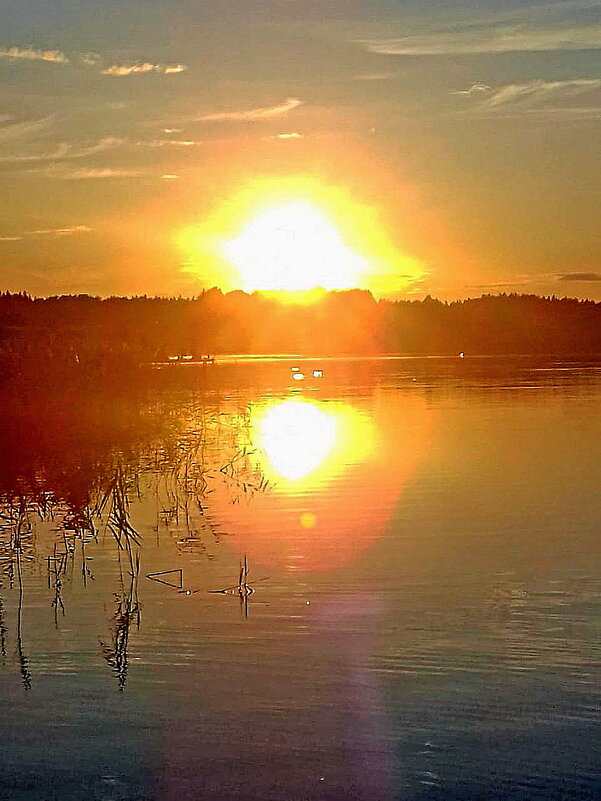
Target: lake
pixel 381 582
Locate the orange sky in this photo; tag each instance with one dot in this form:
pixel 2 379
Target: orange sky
pixel 461 136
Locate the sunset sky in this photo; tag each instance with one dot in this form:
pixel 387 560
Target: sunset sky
pixel 448 147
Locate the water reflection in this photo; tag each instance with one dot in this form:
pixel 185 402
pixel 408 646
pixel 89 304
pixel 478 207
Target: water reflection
pixel 293 483
pixel 127 613
pixel 334 479
pixel 422 578
pixel 80 471
pixel 296 436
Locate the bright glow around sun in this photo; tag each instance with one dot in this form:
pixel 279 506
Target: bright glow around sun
pixel 294 235
pixel 293 247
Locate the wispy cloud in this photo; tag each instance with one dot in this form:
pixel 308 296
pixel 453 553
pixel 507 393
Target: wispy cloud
pixel 374 76
pixel 20 130
pixel 476 89
pixel 519 280
pixel 142 67
pixel 283 137
pixel 63 151
pixel 537 97
pixel 540 90
pixel 48 232
pixel 169 143
pixel 496 41
pixel 492 28
pixel 579 277
pixel 538 280
pixel 107 143
pixel 68 231
pixel 32 54
pixel 502 284
pixel 95 173
pixel 255 114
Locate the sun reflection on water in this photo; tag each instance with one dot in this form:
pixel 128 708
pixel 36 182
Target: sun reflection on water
pixel 333 474
pixel 296 436
pixel 302 443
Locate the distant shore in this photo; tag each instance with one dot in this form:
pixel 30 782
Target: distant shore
pixel 83 335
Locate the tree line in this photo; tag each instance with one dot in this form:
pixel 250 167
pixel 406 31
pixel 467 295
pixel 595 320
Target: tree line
pixel 94 334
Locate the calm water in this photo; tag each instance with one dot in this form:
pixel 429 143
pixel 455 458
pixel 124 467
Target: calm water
pixel 420 612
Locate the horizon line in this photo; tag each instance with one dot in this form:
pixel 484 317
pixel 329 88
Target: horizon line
pixel 271 295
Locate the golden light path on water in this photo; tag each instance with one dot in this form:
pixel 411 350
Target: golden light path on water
pixel 297 437
pixel 334 479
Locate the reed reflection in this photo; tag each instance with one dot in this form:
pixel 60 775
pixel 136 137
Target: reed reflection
pixel 75 472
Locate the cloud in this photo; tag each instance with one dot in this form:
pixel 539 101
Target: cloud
pixel 69 231
pixel 67 173
pixel 63 151
pixel 107 143
pixel 19 130
pixel 539 90
pixel 254 115
pixel 521 280
pixel 49 232
pixel 579 277
pixel 94 173
pixel 501 285
pixel 374 76
pixel 283 137
pixel 91 58
pixel 31 54
pixel 466 43
pixel 475 89
pixel 141 67
pixel 457 29
pixel 537 96
pixel 169 142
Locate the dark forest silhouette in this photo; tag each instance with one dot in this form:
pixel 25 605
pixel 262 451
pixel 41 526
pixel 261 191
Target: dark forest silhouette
pixel 90 334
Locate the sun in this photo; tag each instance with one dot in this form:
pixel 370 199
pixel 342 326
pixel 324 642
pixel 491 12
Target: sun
pixel 294 247
pixel 294 235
